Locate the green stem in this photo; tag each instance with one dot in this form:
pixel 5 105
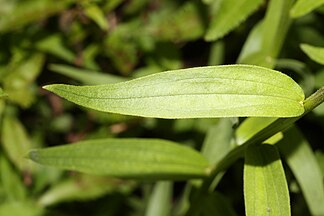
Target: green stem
pixel 278 125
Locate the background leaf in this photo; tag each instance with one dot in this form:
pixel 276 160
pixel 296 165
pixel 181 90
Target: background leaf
pixel 220 91
pixel 2 94
pixel 230 14
pixel 266 39
pixel 302 161
pixel 160 200
pixel 315 53
pixel 265 186
pixel 126 158
pixel 303 7
pixel 85 76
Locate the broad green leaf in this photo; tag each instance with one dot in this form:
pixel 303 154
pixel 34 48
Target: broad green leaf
pixel 15 141
pixel 160 200
pixel 265 187
pixel 216 204
pixel 302 161
pixel 29 11
pixel 83 188
pixel 229 16
pixel 303 7
pixel 2 94
pixel 86 76
pixel 314 53
pixel 126 158
pixel 215 91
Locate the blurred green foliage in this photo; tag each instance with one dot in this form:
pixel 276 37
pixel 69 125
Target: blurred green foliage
pixel 97 41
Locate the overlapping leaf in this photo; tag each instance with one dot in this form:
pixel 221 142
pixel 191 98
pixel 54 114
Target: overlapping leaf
pixel 303 7
pixel 126 158
pixel 86 76
pixel 313 52
pixel 302 161
pixel 231 13
pixel 219 91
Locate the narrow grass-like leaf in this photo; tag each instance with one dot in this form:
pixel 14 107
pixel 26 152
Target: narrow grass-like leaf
pixel 126 158
pixel 303 7
pixel 215 91
pixel 302 162
pixel 160 200
pixel 86 76
pixel 230 15
pixel 314 53
pixel 265 187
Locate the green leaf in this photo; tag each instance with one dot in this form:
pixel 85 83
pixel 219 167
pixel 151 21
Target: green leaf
pixel 26 12
pixel 265 187
pixel 216 91
pixel 86 76
pixel 302 161
pixel 216 145
pixel 15 141
pixel 265 40
pixel 231 13
pixel 303 7
pixel 160 200
pixel 97 15
pixel 177 24
pixel 126 158
pixel 314 53
pixel 20 209
pixel 54 45
pixel 13 186
pixel 2 94
pixel 83 188
pixel 320 160
pixel 20 84
pixel 251 127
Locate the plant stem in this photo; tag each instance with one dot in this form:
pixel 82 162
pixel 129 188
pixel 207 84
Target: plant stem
pixel 278 125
